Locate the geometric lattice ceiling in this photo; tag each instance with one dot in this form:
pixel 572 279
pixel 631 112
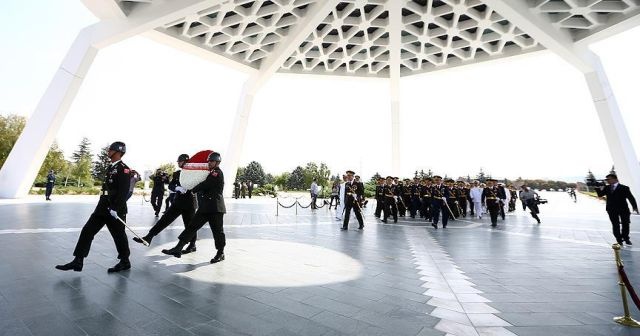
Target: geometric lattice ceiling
pixel 354 38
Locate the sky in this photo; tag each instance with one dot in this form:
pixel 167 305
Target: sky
pixel 529 116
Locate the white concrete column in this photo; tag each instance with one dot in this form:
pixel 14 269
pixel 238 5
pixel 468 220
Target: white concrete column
pixel 231 158
pixel 615 131
pixel 395 128
pixel 28 153
pixel 395 45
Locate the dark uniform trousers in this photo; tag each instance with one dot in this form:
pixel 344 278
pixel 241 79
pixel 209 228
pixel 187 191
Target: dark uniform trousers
pixel 426 208
pixel 349 204
pixel 415 205
pixel 171 215
pixel 156 200
pixel 96 221
pixel 390 209
pixel 493 206
pixel 215 222
pixel 462 202
pixel 379 207
pixel 438 206
pixel 617 218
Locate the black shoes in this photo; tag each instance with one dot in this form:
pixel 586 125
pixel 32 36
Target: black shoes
pixel 361 227
pixel 627 241
pixel 176 252
pixel 189 249
pixel 218 258
pixel 146 238
pixel 435 226
pixel 343 229
pixel 122 265
pixel 74 265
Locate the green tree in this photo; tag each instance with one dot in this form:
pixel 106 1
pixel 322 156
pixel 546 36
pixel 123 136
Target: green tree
pixel 82 163
pixel 84 150
pixel 254 172
pixel 54 161
pixel 481 177
pixel 10 128
pixel 240 174
pixel 102 164
pixel 168 168
pixel 282 180
pixel 296 179
pixel 81 170
pixel 613 170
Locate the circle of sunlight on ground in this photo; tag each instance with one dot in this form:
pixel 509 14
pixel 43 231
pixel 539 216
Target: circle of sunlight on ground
pixel 263 263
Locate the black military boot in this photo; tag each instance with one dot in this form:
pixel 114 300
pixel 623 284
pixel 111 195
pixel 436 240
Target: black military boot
pixel 175 251
pixel 146 238
pixel 190 249
pixel 75 265
pixel 218 258
pixel 122 265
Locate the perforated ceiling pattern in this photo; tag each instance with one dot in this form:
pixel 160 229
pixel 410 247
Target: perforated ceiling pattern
pixel 583 16
pixel 440 33
pixel 353 39
pixel 244 30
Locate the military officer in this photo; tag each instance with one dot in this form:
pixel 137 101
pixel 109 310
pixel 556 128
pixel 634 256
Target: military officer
pixel 425 194
pixel 182 205
pixel 463 195
pixel 402 206
pixel 452 199
pixel 440 194
pixel 492 201
pixel 352 190
pixel 415 197
pixel 111 206
pixel 390 205
pixel 379 197
pixel 211 209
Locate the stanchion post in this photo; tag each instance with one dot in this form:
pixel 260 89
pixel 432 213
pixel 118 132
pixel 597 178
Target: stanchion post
pixel 296 206
pixel 277 206
pixel 625 320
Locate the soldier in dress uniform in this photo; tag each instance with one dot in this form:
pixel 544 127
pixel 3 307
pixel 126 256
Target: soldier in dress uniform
pixel 440 194
pixel 211 209
pixel 425 194
pixel 415 197
pixel 402 206
pixel 352 190
pixel 502 195
pixel 182 205
pixel 514 197
pixel 492 201
pixel 111 206
pixel 379 197
pixel 469 199
pixel 406 196
pixel 390 205
pixel 452 200
pixel 463 194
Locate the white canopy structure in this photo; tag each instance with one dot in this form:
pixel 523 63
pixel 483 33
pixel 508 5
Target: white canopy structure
pixel 365 38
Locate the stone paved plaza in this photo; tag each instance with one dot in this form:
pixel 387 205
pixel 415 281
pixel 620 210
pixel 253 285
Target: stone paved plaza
pixel 300 275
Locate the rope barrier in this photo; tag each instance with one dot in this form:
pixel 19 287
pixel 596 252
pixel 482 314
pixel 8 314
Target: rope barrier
pixel 287 207
pixel 297 204
pixel 627 283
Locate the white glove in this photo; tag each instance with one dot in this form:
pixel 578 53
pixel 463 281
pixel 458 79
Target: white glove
pixel 444 198
pixel 181 189
pixel 113 213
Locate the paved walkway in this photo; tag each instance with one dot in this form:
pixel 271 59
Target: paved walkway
pixel 300 275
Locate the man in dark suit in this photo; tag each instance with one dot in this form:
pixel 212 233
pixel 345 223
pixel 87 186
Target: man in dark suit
pixel 617 195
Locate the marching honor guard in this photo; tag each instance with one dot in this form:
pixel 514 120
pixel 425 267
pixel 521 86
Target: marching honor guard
pixel 390 205
pixel 379 197
pixel 440 195
pixel 425 194
pixel 415 197
pixel 111 207
pixel 463 195
pixel 352 190
pixel 492 201
pixel 452 199
pixel 211 209
pixel 182 205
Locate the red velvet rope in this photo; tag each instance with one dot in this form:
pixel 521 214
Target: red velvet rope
pixel 632 292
